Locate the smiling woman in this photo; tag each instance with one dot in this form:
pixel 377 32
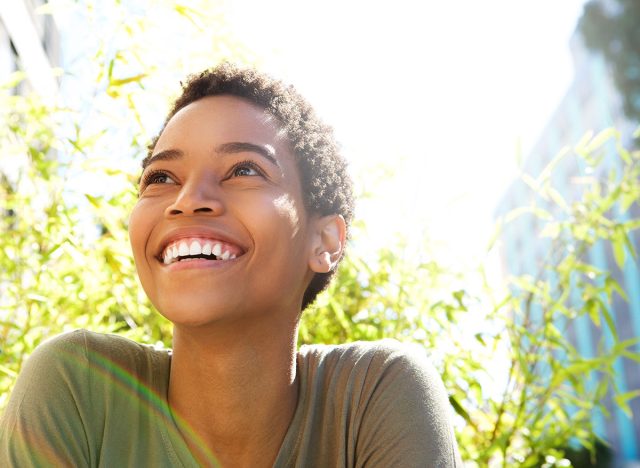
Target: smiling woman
pixel 243 214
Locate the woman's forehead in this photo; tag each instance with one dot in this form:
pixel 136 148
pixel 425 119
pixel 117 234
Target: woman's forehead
pixel 235 111
pixel 224 119
pixel 222 126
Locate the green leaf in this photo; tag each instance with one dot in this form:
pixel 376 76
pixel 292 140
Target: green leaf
pixel 124 81
pixel 618 244
pixel 631 355
pixel 188 13
pixel 592 308
pixel 14 80
pixel 609 319
pixel 625 155
pixel 546 173
pixel 601 390
pixel 627 242
pixel 8 371
pixel 610 285
pixel 112 62
pixel 626 344
pixel 631 225
pixel 582 143
pixel 622 400
pixel 459 409
pixel 558 199
pixel 541 213
pixel 478 337
pixel 531 182
pixel 95 201
pixel 601 138
pixel 626 200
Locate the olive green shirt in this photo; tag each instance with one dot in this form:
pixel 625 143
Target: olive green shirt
pixel 86 399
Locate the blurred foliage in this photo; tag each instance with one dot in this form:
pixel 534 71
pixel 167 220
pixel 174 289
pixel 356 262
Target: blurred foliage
pixel 602 456
pixel 550 390
pixel 67 182
pixel 611 28
pixel 519 387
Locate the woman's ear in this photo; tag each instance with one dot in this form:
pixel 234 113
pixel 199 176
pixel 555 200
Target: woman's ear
pixel 328 243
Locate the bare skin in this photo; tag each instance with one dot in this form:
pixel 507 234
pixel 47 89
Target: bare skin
pixel 233 371
pixel 239 395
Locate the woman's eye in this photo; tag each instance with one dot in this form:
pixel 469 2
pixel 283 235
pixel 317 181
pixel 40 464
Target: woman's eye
pixel 158 178
pixel 246 170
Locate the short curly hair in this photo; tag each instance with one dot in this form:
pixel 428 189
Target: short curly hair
pixel 326 185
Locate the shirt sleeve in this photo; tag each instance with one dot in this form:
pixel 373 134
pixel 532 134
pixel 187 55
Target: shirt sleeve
pixel 44 422
pixel 406 419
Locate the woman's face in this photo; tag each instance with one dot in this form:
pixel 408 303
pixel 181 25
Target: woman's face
pixel 220 231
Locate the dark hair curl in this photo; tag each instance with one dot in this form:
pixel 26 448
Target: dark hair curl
pixel 326 185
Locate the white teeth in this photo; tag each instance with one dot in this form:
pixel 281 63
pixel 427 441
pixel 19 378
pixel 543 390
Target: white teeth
pixel 217 250
pixel 194 248
pixel 183 249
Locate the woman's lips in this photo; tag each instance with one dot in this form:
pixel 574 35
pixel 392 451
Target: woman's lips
pixel 191 249
pixel 199 263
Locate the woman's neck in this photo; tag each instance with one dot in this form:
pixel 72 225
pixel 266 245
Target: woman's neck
pixel 236 388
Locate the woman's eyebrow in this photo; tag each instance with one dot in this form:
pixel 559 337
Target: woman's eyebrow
pixel 266 151
pixel 167 155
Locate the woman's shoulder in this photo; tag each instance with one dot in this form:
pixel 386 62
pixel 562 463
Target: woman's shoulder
pixel 385 369
pixel 386 394
pixel 73 386
pixel 89 369
pixel 80 351
pixel 86 342
pixel 372 356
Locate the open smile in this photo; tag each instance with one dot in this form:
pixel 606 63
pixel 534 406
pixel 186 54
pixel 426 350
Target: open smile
pixel 198 248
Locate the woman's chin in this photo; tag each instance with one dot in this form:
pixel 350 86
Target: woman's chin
pixel 199 313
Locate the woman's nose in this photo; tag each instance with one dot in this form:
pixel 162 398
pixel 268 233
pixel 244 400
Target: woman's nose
pixel 197 197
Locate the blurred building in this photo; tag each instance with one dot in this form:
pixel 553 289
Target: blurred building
pixel 591 103
pixel 29 42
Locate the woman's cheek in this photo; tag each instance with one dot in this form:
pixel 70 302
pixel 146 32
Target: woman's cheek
pixel 287 209
pixel 138 232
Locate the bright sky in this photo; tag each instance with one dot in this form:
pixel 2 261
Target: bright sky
pixel 441 92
